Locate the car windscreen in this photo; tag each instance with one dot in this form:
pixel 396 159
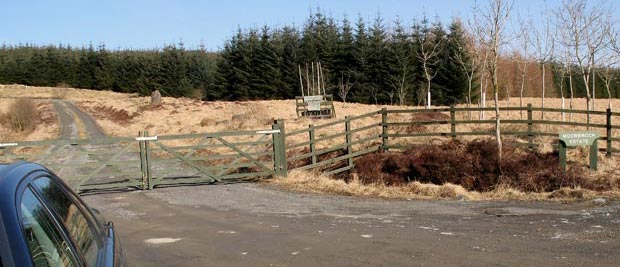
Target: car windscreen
pixel 73 217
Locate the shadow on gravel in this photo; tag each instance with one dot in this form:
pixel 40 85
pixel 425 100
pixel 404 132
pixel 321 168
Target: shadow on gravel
pixel 112 187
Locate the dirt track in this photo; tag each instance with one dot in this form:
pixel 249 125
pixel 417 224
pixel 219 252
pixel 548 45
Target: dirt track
pixel 256 225
pixel 67 114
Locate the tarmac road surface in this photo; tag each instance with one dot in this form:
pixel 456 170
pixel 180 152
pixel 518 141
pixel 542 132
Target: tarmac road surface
pixel 259 225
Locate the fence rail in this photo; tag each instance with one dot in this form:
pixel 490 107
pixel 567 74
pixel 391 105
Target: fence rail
pixel 389 132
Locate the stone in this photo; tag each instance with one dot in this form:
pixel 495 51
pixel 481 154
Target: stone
pixel 240 117
pixel 599 201
pixel 155 98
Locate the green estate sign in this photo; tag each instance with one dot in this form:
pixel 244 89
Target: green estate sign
pixel 583 138
pixel 579 138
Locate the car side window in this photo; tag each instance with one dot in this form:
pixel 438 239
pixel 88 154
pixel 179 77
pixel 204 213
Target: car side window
pixel 45 241
pixel 74 219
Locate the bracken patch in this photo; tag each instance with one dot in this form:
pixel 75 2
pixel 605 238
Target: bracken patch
pixel 474 166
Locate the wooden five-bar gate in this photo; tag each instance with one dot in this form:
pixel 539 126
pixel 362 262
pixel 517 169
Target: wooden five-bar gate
pixel 146 162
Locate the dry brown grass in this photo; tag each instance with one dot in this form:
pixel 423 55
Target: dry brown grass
pixel 21 116
pixel 45 122
pixel 60 92
pixel 310 182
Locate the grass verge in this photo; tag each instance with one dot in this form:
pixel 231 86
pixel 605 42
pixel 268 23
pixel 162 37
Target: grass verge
pixel 310 182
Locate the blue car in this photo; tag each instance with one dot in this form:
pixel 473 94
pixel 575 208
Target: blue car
pixel 44 223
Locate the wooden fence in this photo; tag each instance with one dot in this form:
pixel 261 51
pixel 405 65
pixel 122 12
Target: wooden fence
pixel 386 132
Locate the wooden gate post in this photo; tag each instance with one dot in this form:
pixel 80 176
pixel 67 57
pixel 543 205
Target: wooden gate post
pixel 452 122
pixel 279 149
pixel 312 146
pixel 384 128
pixel 347 135
pixel 142 161
pixel 147 152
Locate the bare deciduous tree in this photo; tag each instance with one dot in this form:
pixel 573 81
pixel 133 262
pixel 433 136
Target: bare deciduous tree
pixel 344 87
pixel 482 53
pixel 428 56
pixel 399 84
pixel 609 59
pixel 494 20
pixel 524 40
pixel 470 66
pixel 585 29
pixel 544 41
pixel 390 94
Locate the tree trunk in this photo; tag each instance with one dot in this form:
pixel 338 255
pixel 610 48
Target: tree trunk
pixel 507 100
pixel 469 95
pixel 563 105
pixel 542 110
pixel 483 100
pixel 570 86
pixel 593 89
pixel 498 136
pixel 521 93
pixel 608 95
pixel 428 92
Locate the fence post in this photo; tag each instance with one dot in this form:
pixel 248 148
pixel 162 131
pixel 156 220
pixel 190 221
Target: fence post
pixel 452 122
pixel 562 155
pixel 142 161
pixel 312 146
pixel 347 129
pixel 279 149
pixel 609 146
pixel 530 133
pixel 147 152
pixel 384 132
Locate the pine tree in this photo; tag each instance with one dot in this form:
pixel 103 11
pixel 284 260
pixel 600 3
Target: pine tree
pixel 361 54
pixel 400 69
pixel 452 76
pixel 378 65
pixel 287 45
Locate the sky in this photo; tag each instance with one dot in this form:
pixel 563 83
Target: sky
pixel 144 24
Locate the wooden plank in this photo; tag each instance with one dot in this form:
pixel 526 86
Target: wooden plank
pixel 333 160
pixel 418 110
pixel 243 153
pixel 210 135
pixel 416 123
pixel 477 122
pixel 187 161
pixel 574 111
pixel 110 186
pixel 249 143
pixel 332 149
pixel 397 135
pixel 324 138
pixel 566 123
pixel 103 165
pixel 239 159
pixel 339 170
